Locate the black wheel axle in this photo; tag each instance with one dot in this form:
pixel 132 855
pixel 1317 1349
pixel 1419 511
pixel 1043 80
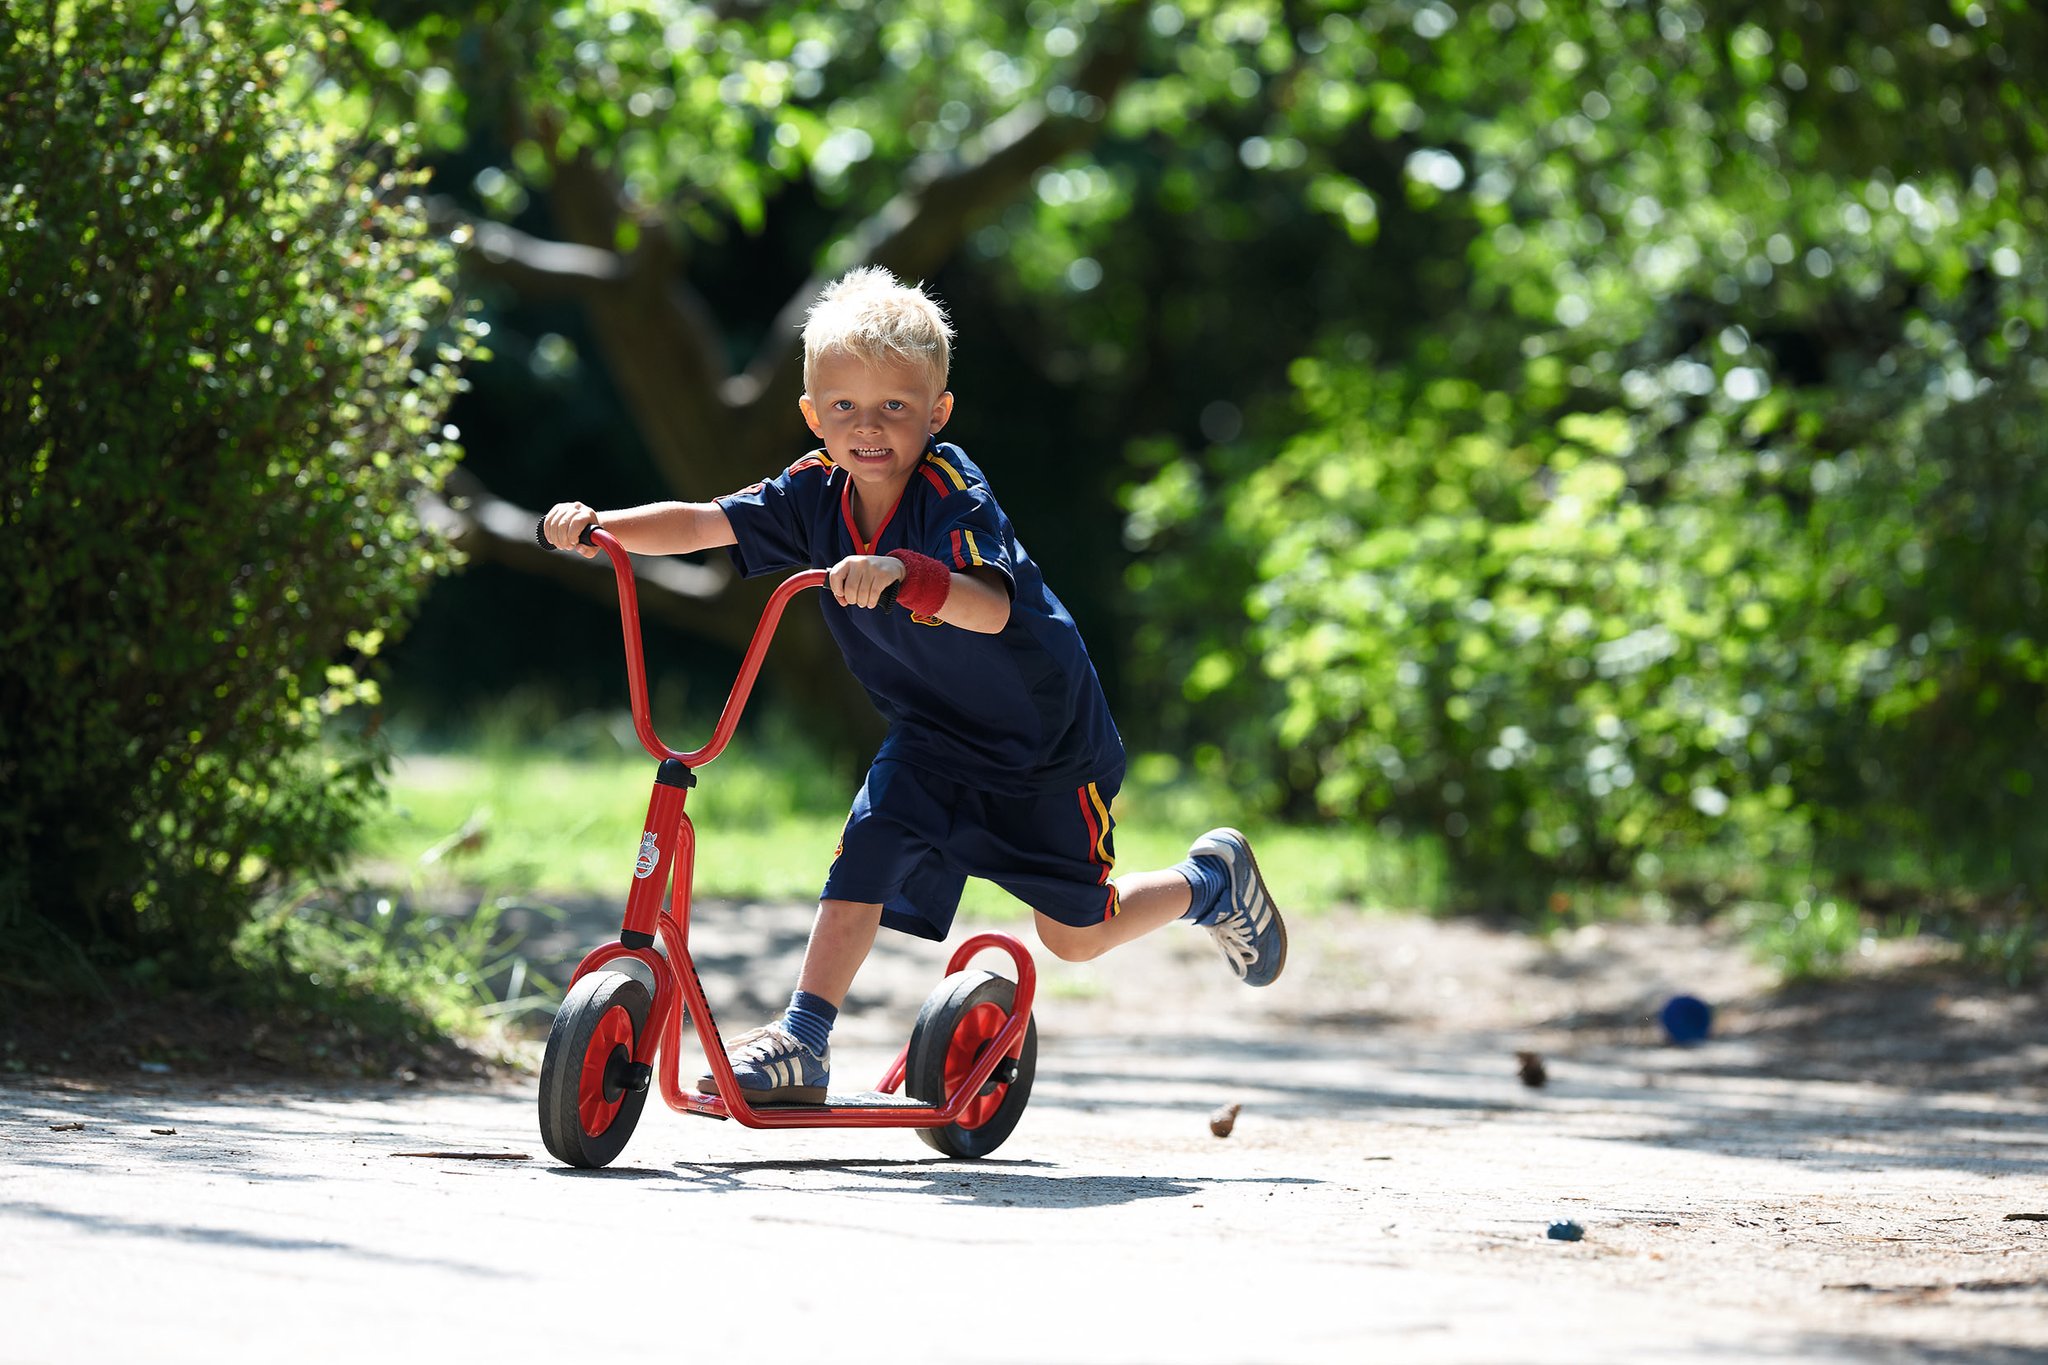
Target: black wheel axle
pixel 624 1076
pixel 1004 1074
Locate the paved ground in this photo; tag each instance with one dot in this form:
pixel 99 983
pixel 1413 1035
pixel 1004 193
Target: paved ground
pixel 1834 1177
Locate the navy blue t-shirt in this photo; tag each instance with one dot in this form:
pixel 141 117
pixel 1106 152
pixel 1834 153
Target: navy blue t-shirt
pixel 1018 711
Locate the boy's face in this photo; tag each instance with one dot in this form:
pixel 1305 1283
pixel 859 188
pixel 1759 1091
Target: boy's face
pixel 873 417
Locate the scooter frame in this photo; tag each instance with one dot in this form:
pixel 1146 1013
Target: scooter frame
pixel 668 851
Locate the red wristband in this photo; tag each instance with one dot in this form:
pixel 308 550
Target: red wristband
pixel 926 583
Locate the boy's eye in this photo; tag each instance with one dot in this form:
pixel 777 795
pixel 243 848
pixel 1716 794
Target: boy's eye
pixel 894 405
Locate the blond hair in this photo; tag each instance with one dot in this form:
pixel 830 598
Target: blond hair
pixel 871 316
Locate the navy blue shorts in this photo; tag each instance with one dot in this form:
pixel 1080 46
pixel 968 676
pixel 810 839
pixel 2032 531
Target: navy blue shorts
pixel 914 839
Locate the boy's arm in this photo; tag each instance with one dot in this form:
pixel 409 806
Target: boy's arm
pixel 977 600
pixel 657 528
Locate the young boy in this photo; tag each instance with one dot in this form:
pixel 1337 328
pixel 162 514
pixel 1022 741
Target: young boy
pixel 1001 758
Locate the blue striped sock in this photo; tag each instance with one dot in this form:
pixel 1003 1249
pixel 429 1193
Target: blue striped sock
pixel 1209 884
pixel 810 1018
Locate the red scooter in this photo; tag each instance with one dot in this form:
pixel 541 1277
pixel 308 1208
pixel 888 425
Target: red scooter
pixel 965 1073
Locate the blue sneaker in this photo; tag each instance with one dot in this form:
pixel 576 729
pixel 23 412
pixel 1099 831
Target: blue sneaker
pixel 1250 932
pixel 772 1067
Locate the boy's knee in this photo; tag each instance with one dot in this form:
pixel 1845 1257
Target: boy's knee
pixel 1071 943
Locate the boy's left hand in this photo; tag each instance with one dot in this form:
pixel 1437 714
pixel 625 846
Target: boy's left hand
pixel 859 580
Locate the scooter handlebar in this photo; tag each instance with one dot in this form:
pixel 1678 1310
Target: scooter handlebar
pixel 589 537
pixel 636 663
pixel 540 533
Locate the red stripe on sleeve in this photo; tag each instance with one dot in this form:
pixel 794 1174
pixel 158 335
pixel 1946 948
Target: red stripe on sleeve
pixel 959 559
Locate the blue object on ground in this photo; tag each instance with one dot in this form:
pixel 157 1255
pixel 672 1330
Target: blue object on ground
pixel 1566 1231
pixel 1687 1019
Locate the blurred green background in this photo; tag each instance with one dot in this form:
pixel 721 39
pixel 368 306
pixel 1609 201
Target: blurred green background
pixel 1542 460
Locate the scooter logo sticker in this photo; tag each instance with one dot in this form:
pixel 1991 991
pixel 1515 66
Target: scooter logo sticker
pixel 643 867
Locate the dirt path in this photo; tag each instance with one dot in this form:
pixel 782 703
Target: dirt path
pixel 1831 1178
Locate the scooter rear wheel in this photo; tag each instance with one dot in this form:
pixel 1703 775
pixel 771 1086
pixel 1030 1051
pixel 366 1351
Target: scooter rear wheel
pixel 587 1108
pixel 958 1022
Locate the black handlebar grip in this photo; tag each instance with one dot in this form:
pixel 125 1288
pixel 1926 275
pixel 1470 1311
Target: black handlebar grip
pixel 887 601
pixel 540 533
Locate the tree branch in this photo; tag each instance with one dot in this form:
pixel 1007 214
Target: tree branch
pixel 490 529
pixel 539 268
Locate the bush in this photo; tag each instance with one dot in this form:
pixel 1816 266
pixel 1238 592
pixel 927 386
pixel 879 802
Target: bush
pixel 1708 524
pixel 224 351
pixel 1799 625
pixel 1470 627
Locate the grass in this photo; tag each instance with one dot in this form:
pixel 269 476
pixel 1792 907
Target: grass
pixel 320 982
pixel 459 975
pixel 534 822
pixel 521 820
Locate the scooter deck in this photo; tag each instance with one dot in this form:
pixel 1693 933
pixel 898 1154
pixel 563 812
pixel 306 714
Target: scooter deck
pixel 711 1107
pixel 858 1099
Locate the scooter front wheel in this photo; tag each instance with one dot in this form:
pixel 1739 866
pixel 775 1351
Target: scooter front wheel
pixel 588 1103
pixel 958 1022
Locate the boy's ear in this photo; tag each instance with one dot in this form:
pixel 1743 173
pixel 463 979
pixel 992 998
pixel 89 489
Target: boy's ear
pixel 942 411
pixel 811 416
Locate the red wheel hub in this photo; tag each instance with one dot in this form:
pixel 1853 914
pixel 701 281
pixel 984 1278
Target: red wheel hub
pixel 971 1038
pixel 593 1109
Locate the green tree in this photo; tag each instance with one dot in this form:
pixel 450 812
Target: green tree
pixel 225 345
pixel 1705 504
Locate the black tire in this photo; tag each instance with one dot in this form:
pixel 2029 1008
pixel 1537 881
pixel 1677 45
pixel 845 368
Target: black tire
pixel 962 1001
pixel 594 1032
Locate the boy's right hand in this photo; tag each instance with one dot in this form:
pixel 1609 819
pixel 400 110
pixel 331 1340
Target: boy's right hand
pixel 564 526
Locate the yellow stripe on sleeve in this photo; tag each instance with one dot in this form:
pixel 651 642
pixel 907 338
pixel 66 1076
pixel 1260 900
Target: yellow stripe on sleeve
pixel 959 483
pixel 973 551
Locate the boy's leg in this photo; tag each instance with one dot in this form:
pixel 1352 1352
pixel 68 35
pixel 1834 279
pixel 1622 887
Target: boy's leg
pixel 841 938
pixel 790 1060
pixel 1219 888
pixel 1147 900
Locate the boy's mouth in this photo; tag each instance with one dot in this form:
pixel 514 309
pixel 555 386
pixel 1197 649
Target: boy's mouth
pixel 869 452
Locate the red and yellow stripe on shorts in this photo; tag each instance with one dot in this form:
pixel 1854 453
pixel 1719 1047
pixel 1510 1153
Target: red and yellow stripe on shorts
pixel 1101 847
